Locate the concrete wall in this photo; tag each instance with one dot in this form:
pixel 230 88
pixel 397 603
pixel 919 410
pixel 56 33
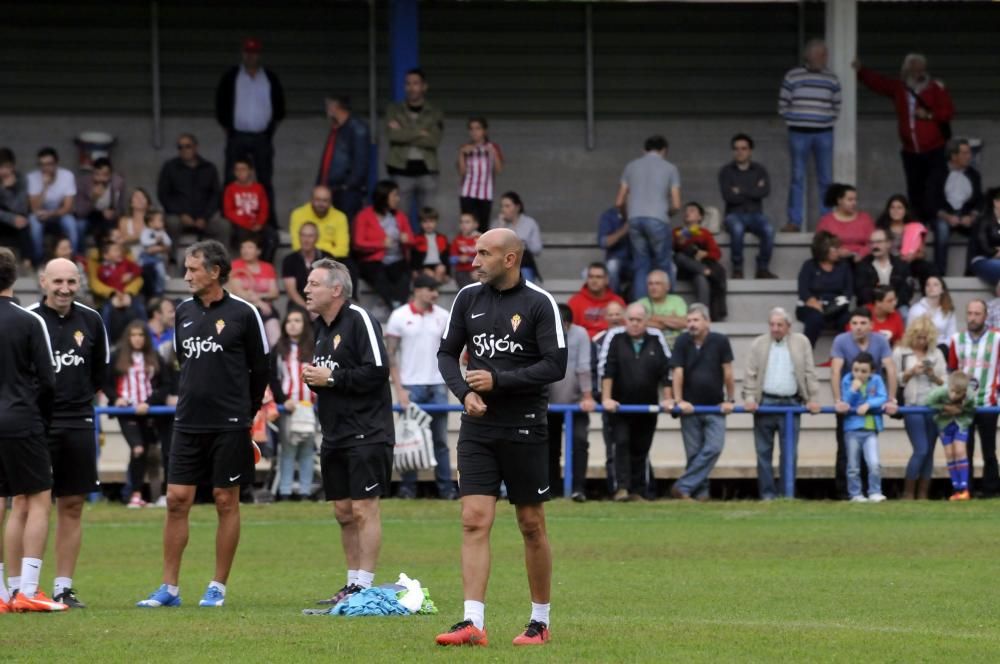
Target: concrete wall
pixel 563 185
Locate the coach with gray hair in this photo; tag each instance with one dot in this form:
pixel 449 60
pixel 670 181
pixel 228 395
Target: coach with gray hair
pixel 780 371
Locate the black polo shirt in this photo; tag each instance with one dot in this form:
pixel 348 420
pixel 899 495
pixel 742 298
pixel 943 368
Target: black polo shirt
pixel 703 376
pixel 294 265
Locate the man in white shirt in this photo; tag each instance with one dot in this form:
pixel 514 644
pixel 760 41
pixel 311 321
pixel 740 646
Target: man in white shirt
pixel 51 191
pixel 413 335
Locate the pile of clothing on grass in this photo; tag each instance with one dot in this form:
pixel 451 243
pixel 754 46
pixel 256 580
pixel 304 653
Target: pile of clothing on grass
pixel 406 597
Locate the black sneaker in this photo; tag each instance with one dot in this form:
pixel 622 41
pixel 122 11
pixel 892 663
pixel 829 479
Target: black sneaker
pixel 343 593
pixel 69 598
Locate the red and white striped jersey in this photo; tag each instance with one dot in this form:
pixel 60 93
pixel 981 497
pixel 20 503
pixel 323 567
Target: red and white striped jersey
pixel 290 371
pixel 478 181
pixel 136 386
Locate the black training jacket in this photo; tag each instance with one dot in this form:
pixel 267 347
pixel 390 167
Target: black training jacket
pixel 81 350
pixel 27 369
pixel 222 351
pixel 357 409
pixel 517 336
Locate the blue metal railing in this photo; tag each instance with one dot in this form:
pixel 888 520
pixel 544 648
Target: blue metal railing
pixel 787 442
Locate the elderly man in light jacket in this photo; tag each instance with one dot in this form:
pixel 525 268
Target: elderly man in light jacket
pixel 780 371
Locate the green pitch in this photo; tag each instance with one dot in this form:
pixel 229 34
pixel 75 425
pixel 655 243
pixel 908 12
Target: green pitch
pixel 635 582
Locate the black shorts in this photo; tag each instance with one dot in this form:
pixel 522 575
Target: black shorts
pixel 523 465
pixel 358 472
pixel 74 461
pixel 223 459
pixel 25 465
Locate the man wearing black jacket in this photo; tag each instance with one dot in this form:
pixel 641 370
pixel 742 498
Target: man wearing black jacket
pixel 81 349
pixel 955 197
pixel 516 349
pixel 343 167
pixel 188 189
pixel 881 267
pixel 26 394
pixel 350 375
pixel 222 351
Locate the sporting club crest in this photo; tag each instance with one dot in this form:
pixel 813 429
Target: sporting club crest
pixel 336 341
pixel 220 325
pixel 515 321
pixel 78 338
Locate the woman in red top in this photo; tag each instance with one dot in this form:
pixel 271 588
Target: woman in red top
pixel 382 238
pixel 256 282
pixel 851 226
pixel 697 256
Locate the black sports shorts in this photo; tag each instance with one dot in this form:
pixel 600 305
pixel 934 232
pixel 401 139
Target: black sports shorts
pixel 358 472
pixel 25 465
pixel 74 461
pixel 223 459
pixel 520 461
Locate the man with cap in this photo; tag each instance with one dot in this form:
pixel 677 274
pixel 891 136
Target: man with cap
pixel 249 104
pixel 413 335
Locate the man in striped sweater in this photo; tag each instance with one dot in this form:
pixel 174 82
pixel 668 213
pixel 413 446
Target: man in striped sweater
pixel 809 101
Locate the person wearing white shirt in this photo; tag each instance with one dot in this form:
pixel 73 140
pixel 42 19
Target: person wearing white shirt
pixel 413 335
pixel 938 305
pixel 51 191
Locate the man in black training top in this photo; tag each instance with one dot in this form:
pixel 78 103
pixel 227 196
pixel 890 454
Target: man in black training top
pixel 26 394
pixel 516 348
pixel 350 374
pixel 222 351
pixel 80 344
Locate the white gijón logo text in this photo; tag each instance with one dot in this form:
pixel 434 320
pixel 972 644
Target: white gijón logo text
pixel 195 346
pixel 68 359
pixel 326 361
pixel 489 345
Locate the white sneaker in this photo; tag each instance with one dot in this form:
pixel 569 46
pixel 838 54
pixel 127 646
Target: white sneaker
pixel 161 502
pixel 859 499
pixel 876 498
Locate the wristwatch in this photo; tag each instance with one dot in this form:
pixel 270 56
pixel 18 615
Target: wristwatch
pixel 331 381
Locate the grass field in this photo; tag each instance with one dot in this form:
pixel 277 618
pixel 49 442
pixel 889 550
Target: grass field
pixel 635 582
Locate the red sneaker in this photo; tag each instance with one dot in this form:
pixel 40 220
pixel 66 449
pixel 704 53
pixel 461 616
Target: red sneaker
pixel 535 634
pixel 38 603
pixel 5 607
pixel 256 452
pixel 961 495
pixel 463 634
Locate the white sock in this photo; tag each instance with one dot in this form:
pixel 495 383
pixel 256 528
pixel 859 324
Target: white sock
pixel 14 583
pixel 476 612
pixel 220 586
pixel 4 595
pixel 540 612
pixel 352 577
pixel 60 584
pixel 31 569
pixel 173 590
pixel 365 578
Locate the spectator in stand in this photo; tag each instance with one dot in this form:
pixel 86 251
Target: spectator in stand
pixel 51 192
pixel 921 367
pixel 702 366
pixel 249 104
pixel 846 348
pixel 14 208
pixel 637 366
pixel 591 301
pixel 245 205
pixel 414 130
pixel 667 312
pixel 614 317
pixel 993 310
pixel 863 390
pixel 160 325
pixel 479 162
pixel 189 191
pixel 574 388
pixel 885 319
pixel 907 236
pixel 924 112
pixel 825 287
pixel 648 194
pixel 512 216
pixel 954 411
pixel 415 330
pixel 853 227
pixel 63 248
pixel 333 226
pixel 382 239
pixel 882 268
pixel 430 249
pixel 343 168
pixel 135 381
pixel 809 102
pixel 100 197
pixel 255 281
pixel 984 246
pixel 612 237
pixel 697 257
pixel 463 250
pixel 975 352
pixel 780 371
pixel 133 222
pixel 117 271
pixel 937 304
pixel 297 425
pixel 955 198
pixel 744 185
pixel 155 246
pixel 295 267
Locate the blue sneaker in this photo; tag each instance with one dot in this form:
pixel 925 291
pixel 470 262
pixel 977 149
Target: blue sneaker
pixel 160 598
pixel 212 597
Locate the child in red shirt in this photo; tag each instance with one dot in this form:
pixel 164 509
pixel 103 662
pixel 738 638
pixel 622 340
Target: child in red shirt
pixel 697 256
pixel 463 249
pixel 117 271
pixel 244 202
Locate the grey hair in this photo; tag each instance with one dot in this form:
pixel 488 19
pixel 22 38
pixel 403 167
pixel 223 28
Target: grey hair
pixel 336 273
pixel 811 44
pixel 911 58
pixel 780 311
pixel 213 254
pixel 701 309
